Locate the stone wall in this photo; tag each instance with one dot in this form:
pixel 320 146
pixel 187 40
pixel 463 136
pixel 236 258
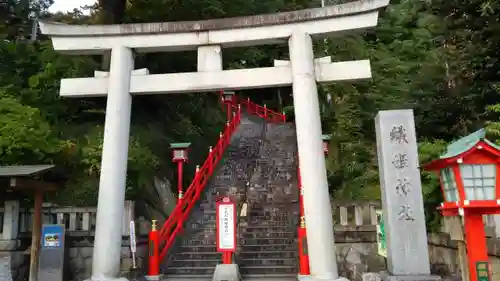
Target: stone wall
pixel 357 254
pixel 355 237
pixel 78 261
pixel 443 254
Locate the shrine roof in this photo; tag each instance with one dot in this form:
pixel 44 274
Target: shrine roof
pixel 463 147
pixel 24 170
pixel 180 145
pixel 313 14
pixel 466 143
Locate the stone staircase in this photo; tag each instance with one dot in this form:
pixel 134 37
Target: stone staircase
pixel 259 168
pixel 268 234
pixel 195 254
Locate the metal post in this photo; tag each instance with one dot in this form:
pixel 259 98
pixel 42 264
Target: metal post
pixel 154 251
pixel 180 164
pixel 302 233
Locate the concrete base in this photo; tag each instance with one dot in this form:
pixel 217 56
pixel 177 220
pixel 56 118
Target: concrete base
pixel 152 277
pixel 107 279
pixel 386 277
pixel 412 278
pixel 226 272
pixel 312 278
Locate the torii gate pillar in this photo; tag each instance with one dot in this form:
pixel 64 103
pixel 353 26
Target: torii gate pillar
pixel 113 176
pixel 317 206
pixel 210 37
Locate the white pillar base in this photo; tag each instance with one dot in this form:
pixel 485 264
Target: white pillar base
pixel 107 279
pixel 312 278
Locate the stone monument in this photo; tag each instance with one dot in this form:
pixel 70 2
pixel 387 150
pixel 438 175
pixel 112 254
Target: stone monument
pixel 402 203
pixel 209 37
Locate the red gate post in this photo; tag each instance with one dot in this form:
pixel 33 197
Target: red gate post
pixel 154 252
pixel 180 156
pixel 302 233
pixel 304 267
pixel 225 217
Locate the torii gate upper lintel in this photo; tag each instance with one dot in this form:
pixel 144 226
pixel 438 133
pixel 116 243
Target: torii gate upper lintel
pixel 209 37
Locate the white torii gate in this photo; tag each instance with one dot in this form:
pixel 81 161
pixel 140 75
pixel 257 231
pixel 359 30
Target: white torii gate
pixel 208 38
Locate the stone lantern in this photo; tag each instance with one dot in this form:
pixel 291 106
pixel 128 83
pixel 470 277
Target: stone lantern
pixel 468 173
pixel 326 143
pixel 180 156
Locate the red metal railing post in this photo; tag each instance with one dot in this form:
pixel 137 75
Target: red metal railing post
pixel 302 233
pixel 154 251
pixel 210 163
pixel 180 165
pixel 229 111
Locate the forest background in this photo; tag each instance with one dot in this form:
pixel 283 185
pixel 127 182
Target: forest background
pixel 437 57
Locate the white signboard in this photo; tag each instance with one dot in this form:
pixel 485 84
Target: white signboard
pixel 133 243
pixel 226 231
pixel 5 271
pixel 132 237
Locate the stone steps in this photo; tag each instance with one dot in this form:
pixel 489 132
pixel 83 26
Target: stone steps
pixel 267 269
pixel 275 234
pixel 193 270
pixel 186 277
pixel 286 254
pixel 192 263
pixel 268 241
pixel 199 248
pixel 195 255
pixel 269 223
pixel 269 262
pixel 267 248
pixel 268 228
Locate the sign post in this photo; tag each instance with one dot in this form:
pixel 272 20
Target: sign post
pixel 133 243
pixel 226 228
pixel 51 261
pixel 381 240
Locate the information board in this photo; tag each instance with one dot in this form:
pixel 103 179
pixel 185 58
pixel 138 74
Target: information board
pixel 226 225
pixel 51 262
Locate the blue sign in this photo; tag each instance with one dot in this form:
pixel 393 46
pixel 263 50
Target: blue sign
pixel 52 236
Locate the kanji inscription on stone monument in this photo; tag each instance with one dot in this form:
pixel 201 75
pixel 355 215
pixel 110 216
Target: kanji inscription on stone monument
pixel 403 211
pixel 398 134
pixel 400 160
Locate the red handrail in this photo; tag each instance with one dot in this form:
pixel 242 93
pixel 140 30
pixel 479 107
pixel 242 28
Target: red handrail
pixel 179 215
pixel 175 221
pixel 263 111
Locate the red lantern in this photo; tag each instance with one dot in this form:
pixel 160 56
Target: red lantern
pixel 180 156
pixel 469 175
pixel 326 143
